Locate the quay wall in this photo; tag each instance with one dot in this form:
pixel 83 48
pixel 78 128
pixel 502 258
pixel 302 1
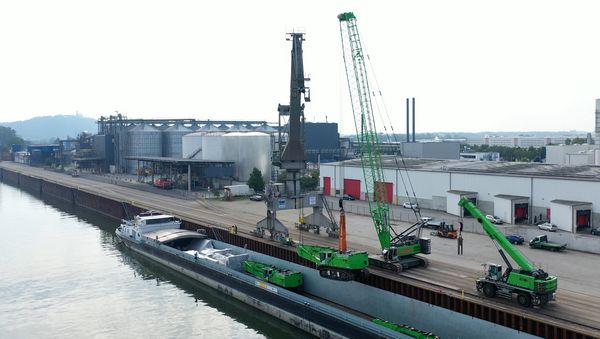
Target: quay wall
pixel 423 301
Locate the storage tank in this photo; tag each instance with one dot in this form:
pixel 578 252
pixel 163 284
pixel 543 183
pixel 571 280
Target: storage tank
pixel 172 143
pixel 247 150
pixel 143 140
pixel 197 145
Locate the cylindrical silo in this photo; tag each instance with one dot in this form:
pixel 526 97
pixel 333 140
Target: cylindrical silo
pixel 247 150
pixel 145 141
pixel 197 145
pixel 172 143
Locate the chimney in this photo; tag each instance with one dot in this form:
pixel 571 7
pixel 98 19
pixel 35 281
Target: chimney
pixel 597 136
pixel 407 121
pixel 413 111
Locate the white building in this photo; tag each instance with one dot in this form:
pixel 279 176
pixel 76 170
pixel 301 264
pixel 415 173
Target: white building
pixel 574 155
pixel 517 192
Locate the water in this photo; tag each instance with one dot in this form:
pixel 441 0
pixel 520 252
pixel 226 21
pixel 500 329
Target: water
pixel 63 274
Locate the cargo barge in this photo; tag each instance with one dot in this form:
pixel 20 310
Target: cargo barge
pixel 220 266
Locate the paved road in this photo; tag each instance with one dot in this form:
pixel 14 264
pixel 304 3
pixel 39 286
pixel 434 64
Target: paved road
pixel 579 288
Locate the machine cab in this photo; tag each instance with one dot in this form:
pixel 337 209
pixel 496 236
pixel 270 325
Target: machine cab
pixel 494 271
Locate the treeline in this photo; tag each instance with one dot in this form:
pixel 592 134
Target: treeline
pixel 535 154
pixel 8 136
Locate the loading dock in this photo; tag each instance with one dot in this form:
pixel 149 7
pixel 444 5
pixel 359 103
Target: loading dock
pixel 571 215
pixel 513 209
pixel 452 198
pixel 193 173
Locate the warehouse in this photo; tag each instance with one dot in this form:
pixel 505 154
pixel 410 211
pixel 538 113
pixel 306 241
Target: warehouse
pixel 520 193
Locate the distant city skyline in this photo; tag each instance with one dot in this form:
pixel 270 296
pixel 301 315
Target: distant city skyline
pixel 472 66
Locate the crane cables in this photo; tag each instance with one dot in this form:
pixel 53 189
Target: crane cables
pixel 404 167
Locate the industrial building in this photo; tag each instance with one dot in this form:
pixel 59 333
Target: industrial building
pixel 520 193
pixel 574 155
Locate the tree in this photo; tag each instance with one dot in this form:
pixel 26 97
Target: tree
pixel 256 181
pixel 8 136
pixel 310 182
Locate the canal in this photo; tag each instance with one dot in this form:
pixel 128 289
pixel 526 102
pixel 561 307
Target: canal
pixel 64 274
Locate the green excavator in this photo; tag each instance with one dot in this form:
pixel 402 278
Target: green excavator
pixel 532 285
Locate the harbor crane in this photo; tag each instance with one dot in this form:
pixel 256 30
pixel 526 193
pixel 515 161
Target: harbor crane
pixel 398 250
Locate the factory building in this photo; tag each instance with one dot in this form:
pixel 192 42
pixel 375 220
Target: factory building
pixel 520 193
pixel 321 142
pixel 574 155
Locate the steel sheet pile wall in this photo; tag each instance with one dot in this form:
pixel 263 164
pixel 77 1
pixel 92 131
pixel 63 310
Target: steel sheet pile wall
pixel 30 184
pixel 57 191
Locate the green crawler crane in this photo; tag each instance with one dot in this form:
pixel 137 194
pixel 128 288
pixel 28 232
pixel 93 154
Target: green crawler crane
pixel 532 285
pixel 399 251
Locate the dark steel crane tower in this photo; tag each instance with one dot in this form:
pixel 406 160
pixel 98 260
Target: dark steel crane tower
pixel 291 158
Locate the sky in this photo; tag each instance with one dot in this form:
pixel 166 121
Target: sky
pixel 471 65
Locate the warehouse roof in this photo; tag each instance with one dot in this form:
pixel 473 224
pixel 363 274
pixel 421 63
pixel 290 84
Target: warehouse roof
pixel 588 172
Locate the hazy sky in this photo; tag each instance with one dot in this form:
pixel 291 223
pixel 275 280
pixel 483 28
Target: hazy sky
pixel 472 65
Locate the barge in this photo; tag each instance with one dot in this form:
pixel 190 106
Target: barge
pixel 221 266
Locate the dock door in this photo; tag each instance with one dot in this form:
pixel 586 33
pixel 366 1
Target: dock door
pixel 327 185
pixel 352 187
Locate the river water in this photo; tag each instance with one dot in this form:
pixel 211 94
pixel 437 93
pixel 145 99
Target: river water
pixel 63 274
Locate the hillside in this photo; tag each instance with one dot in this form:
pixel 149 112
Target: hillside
pixel 43 129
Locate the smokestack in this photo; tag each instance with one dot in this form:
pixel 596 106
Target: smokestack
pixel 407 121
pixel 413 102
pixel 597 136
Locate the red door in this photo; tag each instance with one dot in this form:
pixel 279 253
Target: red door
pixel 352 187
pixel 519 212
pixel 384 191
pixel 327 185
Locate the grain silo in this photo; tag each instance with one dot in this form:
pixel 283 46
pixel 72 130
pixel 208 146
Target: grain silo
pixel 197 145
pixel 172 143
pixel 247 150
pixel 143 140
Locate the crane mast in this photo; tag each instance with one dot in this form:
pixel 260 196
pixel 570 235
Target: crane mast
pixel 364 122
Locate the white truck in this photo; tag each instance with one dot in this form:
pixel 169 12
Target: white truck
pixel 238 190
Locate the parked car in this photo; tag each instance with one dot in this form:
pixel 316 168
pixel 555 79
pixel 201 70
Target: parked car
pixel 595 231
pixel 494 219
pixel 546 226
pixel 256 197
pixel 348 197
pixel 75 173
pixel 409 204
pixel 426 219
pixel 163 183
pixel 515 239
